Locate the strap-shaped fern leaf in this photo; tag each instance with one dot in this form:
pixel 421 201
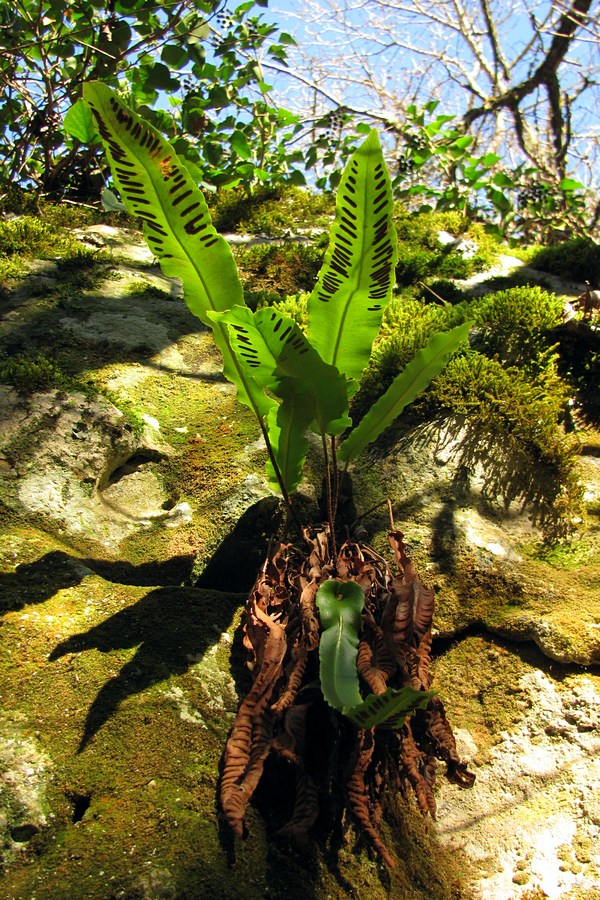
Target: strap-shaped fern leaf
pixel 340 606
pixel 156 187
pixel 271 347
pixel 389 709
pixel 405 388
pixel 274 349
pixel 287 426
pixel 357 275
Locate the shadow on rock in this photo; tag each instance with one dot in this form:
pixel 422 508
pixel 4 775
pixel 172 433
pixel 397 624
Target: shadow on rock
pixel 172 627
pixel 37 581
pixel 236 562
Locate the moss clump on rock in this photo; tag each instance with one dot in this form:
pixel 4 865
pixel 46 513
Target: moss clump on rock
pixel 271 211
pixel 422 255
pixel 29 236
pixel 515 326
pixel 30 372
pixel 271 271
pixel 578 258
pixel 504 393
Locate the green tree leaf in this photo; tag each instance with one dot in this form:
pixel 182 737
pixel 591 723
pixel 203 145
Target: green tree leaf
pixel 355 282
pixel 405 388
pixel 340 605
pixel 570 184
pixel 79 123
pixel 489 159
pixel 503 180
pixel 240 144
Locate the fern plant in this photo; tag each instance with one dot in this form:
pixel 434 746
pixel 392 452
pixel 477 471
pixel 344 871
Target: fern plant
pixel 291 381
pixel 294 383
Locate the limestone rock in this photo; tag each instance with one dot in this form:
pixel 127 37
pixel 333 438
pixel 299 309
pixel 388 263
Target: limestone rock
pixel 61 452
pixel 482 556
pixel 24 772
pixel 531 821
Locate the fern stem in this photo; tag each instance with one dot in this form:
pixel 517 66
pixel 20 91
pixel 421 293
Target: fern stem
pixel 273 461
pixel 391 512
pixel 336 480
pixel 330 515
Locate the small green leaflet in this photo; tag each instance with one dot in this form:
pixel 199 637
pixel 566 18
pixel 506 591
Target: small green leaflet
pixel 110 202
pixel 389 709
pixel 340 605
pixel 405 388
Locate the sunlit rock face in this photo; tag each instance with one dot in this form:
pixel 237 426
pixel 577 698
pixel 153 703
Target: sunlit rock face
pixel 134 517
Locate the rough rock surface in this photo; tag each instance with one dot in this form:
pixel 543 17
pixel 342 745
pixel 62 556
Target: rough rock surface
pixel 61 452
pixel 532 820
pixel 118 683
pixel 24 772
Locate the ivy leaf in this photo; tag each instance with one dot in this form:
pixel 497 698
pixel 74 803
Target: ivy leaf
pixel 463 142
pixel 490 159
pixel 79 123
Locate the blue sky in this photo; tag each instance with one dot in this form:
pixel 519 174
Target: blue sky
pixel 395 69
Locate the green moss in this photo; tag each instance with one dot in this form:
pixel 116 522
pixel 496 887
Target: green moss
pixel 578 259
pixel 515 326
pixel 11 271
pixel 270 271
pixel 524 252
pixel 514 433
pixel 29 236
pixel 442 289
pixel 408 323
pixel 570 555
pixel 506 392
pixel 296 307
pixel 579 364
pixel 482 667
pixel 146 291
pixel 30 372
pixel 270 211
pixel 16 200
pixel 147 666
pixel 420 254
